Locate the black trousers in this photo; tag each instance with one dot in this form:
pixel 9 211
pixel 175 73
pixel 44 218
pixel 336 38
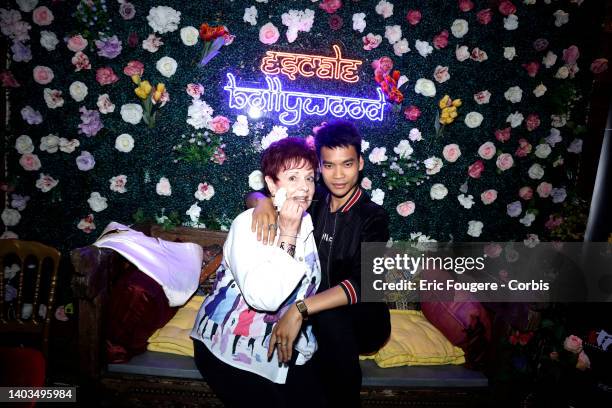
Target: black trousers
pixel 240 388
pixel 342 334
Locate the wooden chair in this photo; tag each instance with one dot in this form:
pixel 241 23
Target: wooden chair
pixel 30 256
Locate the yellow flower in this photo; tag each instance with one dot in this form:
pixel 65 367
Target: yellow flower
pixel 136 79
pixel 457 103
pixel 161 87
pixel 143 90
pixel 444 101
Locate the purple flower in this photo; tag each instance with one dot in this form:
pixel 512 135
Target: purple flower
pixel 90 122
pixel 514 209
pixel 33 117
pixel 109 47
pixel 85 161
pixel 127 11
pixel 21 52
pixel 558 195
pixel 19 202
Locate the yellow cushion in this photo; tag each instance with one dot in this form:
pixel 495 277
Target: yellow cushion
pixel 415 341
pixel 174 336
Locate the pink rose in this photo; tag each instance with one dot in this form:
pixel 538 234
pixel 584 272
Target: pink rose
pixel 503 135
pixel 571 54
pixel 219 156
pixel 532 122
pixel 268 34
pixel 484 16
pixel 80 61
pixel 106 76
pixel 482 97
pixel 532 68
pixel 488 196
pixel 487 150
pixel 134 68
pixel 42 16
pixel 195 90
pixel 441 40
pixel 451 152
pixel 583 362
pixel 29 162
pixel 465 5
pixel 371 41
pixel 599 65
pixel 413 17
pixel 553 222
pixel 544 189
pixel 220 124
pixel 523 149
pixel 77 43
pixel 478 55
pixel 366 183
pixel 573 344
pixel 492 250
pixel 526 193
pixel 310 142
pixel 385 64
pixel 412 112
pixel 330 6
pixel 405 209
pixel 42 75
pixel 475 169
pixel 504 161
pixel 506 8
pixel 441 74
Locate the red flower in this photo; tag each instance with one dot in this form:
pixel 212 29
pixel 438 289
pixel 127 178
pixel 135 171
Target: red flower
pixel 134 68
pixel 532 122
pixel 413 17
pixel 484 16
pixel 211 33
pixel 330 6
pixel 475 169
pixel 441 40
pixel 465 5
pixel 8 80
pixel 532 68
pixel 506 8
pixel 133 40
pixel 503 135
pixel 412 113
pixel 524 148
pixel 524 338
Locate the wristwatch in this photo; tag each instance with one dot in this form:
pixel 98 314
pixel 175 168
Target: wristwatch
pixel 301 307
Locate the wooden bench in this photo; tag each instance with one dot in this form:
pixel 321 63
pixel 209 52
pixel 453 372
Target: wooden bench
pixel 162 378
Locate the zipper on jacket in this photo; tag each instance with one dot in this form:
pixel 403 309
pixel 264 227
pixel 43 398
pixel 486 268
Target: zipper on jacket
pixel 331 246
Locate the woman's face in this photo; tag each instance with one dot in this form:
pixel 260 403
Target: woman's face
pixel 298 181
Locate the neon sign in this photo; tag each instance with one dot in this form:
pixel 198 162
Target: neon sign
pixel 292 105
pixel 307 65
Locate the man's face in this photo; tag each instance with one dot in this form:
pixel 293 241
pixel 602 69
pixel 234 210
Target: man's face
pixel 340 168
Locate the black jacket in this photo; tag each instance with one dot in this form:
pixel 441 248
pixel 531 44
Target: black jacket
pixel 358 220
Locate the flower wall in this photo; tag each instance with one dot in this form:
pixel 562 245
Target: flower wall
pixel 118 110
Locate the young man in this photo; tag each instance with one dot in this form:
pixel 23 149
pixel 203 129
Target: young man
pixel 343 217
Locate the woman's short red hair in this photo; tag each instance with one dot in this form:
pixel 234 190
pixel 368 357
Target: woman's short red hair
pixel 287 153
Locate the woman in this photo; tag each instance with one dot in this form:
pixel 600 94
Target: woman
pixel 255 286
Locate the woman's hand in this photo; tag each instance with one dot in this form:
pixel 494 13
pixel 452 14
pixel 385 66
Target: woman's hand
pixel 284 334
pixel 264 215
pixel 290 217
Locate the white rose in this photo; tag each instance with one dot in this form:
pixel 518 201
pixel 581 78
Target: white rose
pixel 575 146
pixel 189 35
pixel 166 66
pixel 514 94
pixel 527 219
pixel 78 91
pixel 462 53
pixel 542 151
pixel 451 152
pixel 256 180
pixel 438 191
pixel 487 150
pixel 24 144
pixel 105 105
pixel 384 8
pixel 131 113
pixel 205 191
pixel 49 143
pixel 53 98
pixel 378 155
pixel 549 59
pixel 365 145
pixel 425 87
pixel 401 47
pixel 241 126
pixel 366 183
pixel 194 212
pixel 536 171
pixel 124 143
pixel 540 90
pixel 473 120
pixel 68 146
pixel 378 196
pixel 459 28
pixel 562 72
pixel 359 23
pixel 48 40
pixel 9 235
pixel 393 33
pixel 403 149
pixel 561 18
pixel 163 187
pixel 433 165
pixel 511 22
pixel 96 202
pixel 515 119
pixel 415 135
pixel 466 201
pixel 423 48
pixel 27 5
pixel 509 53
pixel 474 228
pixel 250 15
pixel 10 217
pixel 163 19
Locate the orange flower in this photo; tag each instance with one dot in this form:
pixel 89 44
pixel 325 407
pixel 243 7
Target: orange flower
pixel 211 33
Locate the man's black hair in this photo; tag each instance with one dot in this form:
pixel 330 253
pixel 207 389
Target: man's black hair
pixel 338 133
